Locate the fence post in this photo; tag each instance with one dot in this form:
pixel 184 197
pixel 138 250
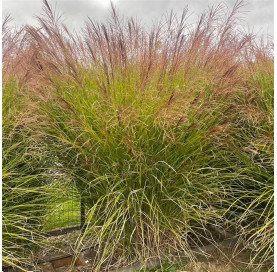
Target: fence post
pixel 83 214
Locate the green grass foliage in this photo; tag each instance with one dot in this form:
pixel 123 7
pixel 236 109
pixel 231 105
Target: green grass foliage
pixel 164 132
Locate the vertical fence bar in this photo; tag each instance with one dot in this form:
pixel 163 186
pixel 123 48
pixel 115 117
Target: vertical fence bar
pixel 83 214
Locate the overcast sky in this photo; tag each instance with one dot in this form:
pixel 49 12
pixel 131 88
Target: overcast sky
pixel 258 16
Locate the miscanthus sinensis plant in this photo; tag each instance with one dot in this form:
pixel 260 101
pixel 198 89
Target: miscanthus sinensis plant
pixel 250 156
pixel 26 183
pixel 156 127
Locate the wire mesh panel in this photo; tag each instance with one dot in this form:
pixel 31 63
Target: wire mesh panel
pixel 66 210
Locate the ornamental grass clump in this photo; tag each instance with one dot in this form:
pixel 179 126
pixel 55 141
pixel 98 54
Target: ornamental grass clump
pixel 250 156
pixel 165 131
pixel 23 182
pixel 26 184
pixel 138 119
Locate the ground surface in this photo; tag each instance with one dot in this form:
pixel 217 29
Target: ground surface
pixel 222 258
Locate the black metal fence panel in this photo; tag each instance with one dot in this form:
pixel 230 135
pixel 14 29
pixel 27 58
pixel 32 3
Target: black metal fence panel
pixel 66 214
